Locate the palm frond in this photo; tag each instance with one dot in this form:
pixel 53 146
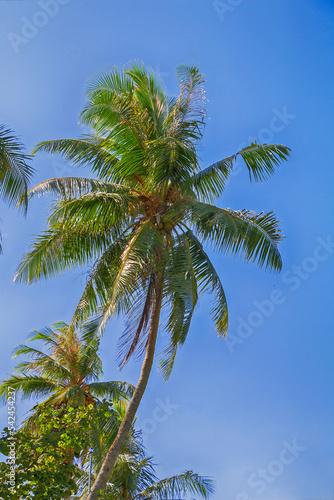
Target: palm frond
pixel 116 391
pixel 97 286
pixel 254 236
pixel 179 486
pixel 149 93
pixel 89 150
pixel 190 106
pixel 93 212
pixel 15 171
pixel 182 294
pixel 260 160
pixel 210 183
pixel 73 187
pixel 141 248
pixel 208 281
pixel 27 385
pixel 134 338
pixel 110 109
pixel 55 251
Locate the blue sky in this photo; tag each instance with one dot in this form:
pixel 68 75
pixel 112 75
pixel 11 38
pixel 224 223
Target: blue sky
pixel 254 411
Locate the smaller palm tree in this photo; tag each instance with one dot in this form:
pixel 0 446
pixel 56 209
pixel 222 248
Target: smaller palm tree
pixel 15 173
pixel 133 478
pixel 67 372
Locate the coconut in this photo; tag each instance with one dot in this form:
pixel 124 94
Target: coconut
pixel 168 226
pixel 160 226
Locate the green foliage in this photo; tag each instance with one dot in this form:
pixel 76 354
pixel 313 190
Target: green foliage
pixel 45 463
pixel 15 173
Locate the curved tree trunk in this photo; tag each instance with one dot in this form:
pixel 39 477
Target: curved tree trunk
pixel 123 432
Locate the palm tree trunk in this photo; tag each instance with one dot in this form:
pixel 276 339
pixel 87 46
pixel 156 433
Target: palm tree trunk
pixel 123 432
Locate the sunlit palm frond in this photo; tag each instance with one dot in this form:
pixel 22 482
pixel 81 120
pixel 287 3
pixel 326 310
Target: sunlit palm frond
pixel 174 162
pixel 116 114
pixel 254 236
pixel 88 150
pixel 210 183
pixel 97 286
pixel 148 91
pixel 27 385
pixel 94 212
pixel 73 187
pixel 141 248
pixel 190 106
pixel 261 162
pixel 55 251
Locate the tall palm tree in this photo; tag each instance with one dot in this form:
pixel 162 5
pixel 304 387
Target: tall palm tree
pixel 143 221
pixel 134 478
pixel 66 371
pixel 15 173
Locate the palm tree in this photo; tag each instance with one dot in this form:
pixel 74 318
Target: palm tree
pixel 133 478
pixel 15 173
pixel 143 222
pixel 66 371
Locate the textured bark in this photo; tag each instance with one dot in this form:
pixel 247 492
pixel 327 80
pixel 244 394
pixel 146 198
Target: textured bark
pixel 123 432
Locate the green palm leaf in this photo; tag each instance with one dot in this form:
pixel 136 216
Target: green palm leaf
pixel 56 251
pixel 255 236
pixel 142 247
pixel 182 295
pixel 15 173
pixel 134 338
pixel 72 187
pixel 178 487
pixel 260 160
pixel 88 150
pixel 209 281
pixel 28 386
pixel 116 391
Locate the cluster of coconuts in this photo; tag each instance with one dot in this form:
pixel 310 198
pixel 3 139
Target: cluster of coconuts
pixel 164 226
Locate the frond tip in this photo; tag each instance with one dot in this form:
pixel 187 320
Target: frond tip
pixel 261 160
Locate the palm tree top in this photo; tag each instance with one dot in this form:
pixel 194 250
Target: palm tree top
pixel 150 207
pixel 146 140
pixel 67 370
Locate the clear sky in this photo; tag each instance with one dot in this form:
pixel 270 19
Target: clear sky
pixel 254 411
